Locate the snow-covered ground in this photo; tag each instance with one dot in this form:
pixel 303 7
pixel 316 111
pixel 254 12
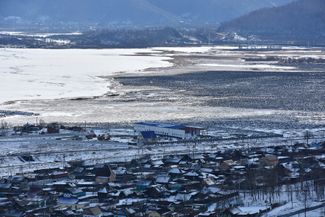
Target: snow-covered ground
pixel 193 49
pixel 40 35
pixel 48 151
pixel 48 74
pixel 248 66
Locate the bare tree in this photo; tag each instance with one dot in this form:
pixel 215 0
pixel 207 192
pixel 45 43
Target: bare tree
pixel 41 122
pixel 4 125
pixel 307 136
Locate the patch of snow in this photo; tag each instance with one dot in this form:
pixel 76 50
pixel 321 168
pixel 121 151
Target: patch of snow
pixel 184 49
pixel 246 66
pixel 40 35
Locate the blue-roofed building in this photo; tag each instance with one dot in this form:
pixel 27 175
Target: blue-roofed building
pixel 148 136
pixel 170 130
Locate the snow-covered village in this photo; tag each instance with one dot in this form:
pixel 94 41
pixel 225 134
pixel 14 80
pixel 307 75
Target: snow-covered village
pixel 160 169
pixel 162 108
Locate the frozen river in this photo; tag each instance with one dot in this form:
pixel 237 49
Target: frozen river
pixel 195 84
pixel 50 74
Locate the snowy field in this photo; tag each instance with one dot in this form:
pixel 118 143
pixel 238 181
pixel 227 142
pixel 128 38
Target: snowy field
pixel 48 74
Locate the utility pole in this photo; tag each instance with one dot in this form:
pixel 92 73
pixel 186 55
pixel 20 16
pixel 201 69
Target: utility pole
pixel 305 201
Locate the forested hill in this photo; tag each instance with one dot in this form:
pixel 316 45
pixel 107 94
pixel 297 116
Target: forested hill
pixel 299 20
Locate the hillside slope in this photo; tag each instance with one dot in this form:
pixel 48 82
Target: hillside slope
pixel 299 20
